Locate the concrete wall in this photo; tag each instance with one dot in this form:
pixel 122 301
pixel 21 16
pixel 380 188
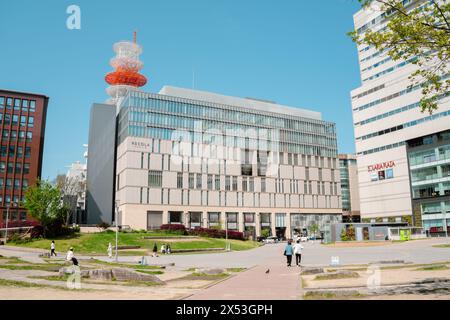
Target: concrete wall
pixel 100 167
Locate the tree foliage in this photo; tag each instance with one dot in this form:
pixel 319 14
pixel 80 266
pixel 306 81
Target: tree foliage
pixel 43 202
pixel 418 33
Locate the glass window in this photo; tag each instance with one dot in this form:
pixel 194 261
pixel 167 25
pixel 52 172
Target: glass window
pixel 26 168
pixel 180 180
pixel 31 121
pixel 17 104
pixel 154 178
pixel 32 105
pixel 199 181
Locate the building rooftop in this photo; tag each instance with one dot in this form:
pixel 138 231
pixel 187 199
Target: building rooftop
pixel 23 93
pixel 248 103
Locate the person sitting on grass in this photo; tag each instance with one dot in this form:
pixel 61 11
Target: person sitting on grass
pixel 163 248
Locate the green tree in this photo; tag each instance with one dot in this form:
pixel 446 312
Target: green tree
pixel 43 202
pixel 314 228
pixel 265 233
pixel 421 35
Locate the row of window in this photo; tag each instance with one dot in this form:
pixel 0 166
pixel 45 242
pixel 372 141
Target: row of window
pixel 231 183
pixel 428 156
pixel 391 69
pixel 431 190
pixel 12 151
pixel 382 148
pixel 15 215
pixel 222 199
pixel 376 65
pixel 18 104
pixel 436 207
pixel 12 135
pixel 9 183
pixel 405 125
pixel 14 120
pixel 370 91
pixel 10 167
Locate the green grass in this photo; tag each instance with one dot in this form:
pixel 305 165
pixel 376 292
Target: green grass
pixel 336 276
pixel 442 246
pixel 236 269
pixel 40 267
pixel 97 243
pixel 433 267
pixel 324 295
pixel 23 284
pixel 123 265
pixel 150 271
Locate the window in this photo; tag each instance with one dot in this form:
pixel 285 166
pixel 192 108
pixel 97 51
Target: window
pixel 23 215
pixel 244 184
pixel 180 180
pixel 27 152
pixel 251 184
pixel 191 181
pixel 217 182
pixel 2 182
pixel 16 184
pixel 199 181
pixel 23 121
pixel 10 167
pixel 227 183
pixel 17 104
pixel 25 105
pixel 15 119
pixel 19 152
pixel 30 122
pixel 263 184
pixel 235 183
pixel 26 168
pixel 21 135
pixel 210 181
pixel 13 135
pixel 155 179
pixel 2 167
pixel 24 183
pixel 32 105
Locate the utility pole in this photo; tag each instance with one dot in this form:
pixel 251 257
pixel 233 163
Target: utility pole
pixel 8 205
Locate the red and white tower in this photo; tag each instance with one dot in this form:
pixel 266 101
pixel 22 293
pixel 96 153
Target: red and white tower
pixel 127 66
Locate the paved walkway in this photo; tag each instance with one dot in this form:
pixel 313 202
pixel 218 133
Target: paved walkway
pixel 281 283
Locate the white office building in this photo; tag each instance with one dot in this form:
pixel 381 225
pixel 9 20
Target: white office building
pixel 403 155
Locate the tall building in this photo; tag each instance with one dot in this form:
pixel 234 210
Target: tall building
pixel 349 188
pixel 202 159
pixel 76 177
pixel 389 126
pixel 22 127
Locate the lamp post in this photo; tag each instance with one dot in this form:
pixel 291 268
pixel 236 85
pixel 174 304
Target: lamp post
pixel 226 232
pixel 117 228
pixel 8 205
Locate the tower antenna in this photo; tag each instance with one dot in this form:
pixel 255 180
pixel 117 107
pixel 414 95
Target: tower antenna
pixel 134 37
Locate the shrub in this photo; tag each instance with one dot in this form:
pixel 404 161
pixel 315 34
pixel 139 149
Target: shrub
pixel 215 233
pixel 103 225
pixel 173 229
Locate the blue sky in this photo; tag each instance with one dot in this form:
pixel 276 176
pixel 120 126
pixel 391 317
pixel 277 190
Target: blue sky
pixel 294 52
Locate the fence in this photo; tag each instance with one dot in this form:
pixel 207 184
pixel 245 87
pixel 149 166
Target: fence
pixel 406 233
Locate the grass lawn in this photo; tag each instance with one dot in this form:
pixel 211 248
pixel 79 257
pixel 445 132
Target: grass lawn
pixel 442 246
pixel 97 243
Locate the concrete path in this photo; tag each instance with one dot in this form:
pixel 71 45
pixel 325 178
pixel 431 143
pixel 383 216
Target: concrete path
pixel 281 283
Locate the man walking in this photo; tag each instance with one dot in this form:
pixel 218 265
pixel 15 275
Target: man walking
pixel 288 251
pixel 52 249
pixel 70 254
pixel 298 253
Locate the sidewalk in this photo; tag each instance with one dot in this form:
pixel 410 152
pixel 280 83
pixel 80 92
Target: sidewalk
pixel 282 283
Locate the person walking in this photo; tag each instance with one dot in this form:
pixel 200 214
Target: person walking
pixel 169 249
pixel 52 249
pixel 288 252
pixel 110 250
pixel 298 253
pixel 155 250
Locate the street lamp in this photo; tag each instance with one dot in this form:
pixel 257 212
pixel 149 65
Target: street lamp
pixel 117 227
pixel 8 205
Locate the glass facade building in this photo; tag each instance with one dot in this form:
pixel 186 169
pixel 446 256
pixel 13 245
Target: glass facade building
pixel 429 163
pixel 204 159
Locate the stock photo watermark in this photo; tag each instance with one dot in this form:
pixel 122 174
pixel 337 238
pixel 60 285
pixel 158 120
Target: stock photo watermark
pixel 73 21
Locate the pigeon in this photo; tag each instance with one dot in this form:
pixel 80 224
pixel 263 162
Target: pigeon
pixel 268 270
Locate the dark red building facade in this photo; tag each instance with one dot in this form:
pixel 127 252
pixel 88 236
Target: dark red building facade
pixel 22 129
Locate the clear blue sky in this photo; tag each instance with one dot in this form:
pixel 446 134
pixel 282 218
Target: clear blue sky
pixel 294 52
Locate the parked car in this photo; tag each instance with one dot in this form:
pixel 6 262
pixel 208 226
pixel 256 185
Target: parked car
pixel 271 240
pixel 303 239
pixel 260 239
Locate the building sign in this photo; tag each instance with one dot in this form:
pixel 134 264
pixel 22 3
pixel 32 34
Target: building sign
pixel 140 144
pixel 382 171
pixel 381 166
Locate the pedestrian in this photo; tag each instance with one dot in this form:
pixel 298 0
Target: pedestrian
pixel 110 250
pixel 155 250
pixel 288 251
pixel 298 253
pixel 70 254
pixel 169 249
pixel 52 249
pixel 163 248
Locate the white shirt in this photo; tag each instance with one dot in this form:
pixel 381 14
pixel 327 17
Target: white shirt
pixel 298 248
pixel 52 246
pixel 69 255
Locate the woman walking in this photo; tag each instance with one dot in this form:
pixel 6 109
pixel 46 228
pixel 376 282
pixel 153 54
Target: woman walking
pixel 288 251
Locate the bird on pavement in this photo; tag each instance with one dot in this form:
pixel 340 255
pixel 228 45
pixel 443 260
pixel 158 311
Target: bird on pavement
pixel 268 270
